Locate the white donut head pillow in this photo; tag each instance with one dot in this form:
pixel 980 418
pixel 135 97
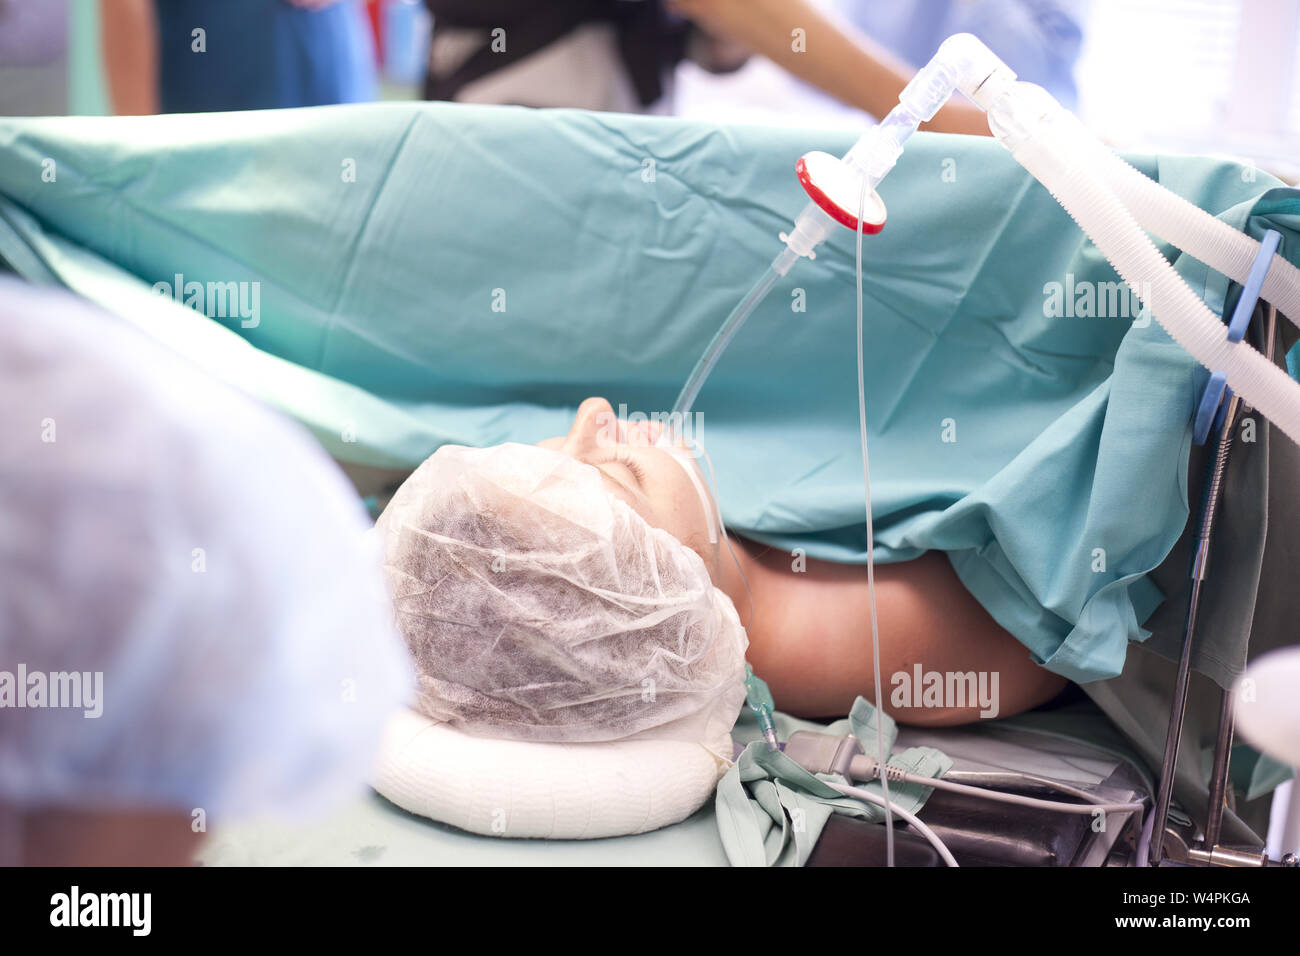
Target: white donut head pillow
pixel 578 672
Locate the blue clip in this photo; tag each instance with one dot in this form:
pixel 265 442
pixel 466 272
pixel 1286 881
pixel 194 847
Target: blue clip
pixel 1214 401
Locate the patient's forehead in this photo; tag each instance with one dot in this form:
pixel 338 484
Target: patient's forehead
pixel 514 517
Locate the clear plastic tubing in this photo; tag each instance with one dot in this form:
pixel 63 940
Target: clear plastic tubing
pixel 686 398
pixel 895 130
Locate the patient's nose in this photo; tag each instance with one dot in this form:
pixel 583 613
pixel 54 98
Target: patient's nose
pixel 594 427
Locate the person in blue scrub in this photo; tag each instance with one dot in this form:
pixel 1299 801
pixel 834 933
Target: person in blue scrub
pixel 191 56
pixel 1040 39
pixel 863 52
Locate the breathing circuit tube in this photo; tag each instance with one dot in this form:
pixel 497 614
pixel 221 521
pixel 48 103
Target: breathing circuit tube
pixel 1191 228
pixel 1111 201
pixel 1053 153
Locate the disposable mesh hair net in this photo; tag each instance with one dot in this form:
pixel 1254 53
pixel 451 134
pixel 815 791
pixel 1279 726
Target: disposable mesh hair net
pixel 198 553
pixel 539 606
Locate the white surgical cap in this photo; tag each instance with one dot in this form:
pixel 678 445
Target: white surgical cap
pixel 541 608
pixel 203 555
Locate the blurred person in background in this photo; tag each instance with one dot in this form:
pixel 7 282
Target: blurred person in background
pixel 863 52
pixel 1040 39
pixel 193 623
pixel 33 57
pixel 590 54
pixel 619 55
pixel 197 56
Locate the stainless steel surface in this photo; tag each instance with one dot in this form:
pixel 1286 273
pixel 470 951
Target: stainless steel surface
pixel 1174 846
pixel 1227 856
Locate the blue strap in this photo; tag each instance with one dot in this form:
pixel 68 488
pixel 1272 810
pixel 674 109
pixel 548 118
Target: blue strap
pixel 1214 401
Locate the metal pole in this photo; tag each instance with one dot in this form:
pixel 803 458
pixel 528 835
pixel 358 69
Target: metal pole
pixel 1219 775
pixel 1173 737
pixel 1200 562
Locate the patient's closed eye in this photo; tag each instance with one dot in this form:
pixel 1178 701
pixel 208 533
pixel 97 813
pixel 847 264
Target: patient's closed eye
pixel 637 471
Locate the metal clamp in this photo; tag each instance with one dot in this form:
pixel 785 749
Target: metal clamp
pixel 1215 398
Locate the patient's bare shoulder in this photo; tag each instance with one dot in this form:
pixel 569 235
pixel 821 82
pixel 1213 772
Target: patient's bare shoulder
pixel 810 639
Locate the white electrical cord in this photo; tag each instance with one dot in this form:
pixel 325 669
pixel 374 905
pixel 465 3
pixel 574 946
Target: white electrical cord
pixel 871 545
pixel 1143 855
pixel 860 794
pixel 898 775
pixel 902 776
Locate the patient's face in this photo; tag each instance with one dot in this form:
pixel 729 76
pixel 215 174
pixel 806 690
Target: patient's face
pixel 648 478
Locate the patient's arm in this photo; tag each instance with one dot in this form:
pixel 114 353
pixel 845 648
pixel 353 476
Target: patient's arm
pixel 130 48
pixel 810 636
pixel 838 59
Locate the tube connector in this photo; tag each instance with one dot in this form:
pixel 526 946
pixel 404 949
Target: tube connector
pixel 810 231
pixel 975 69
pixel 877 150
pixel 962 62
pixel 1018 112
pixel 761 703
pixel 928 90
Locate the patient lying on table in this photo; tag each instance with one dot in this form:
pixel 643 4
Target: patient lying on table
pixel 807 622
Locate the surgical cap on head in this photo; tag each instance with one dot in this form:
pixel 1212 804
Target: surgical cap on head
pixel 541 607
pixel 200 553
